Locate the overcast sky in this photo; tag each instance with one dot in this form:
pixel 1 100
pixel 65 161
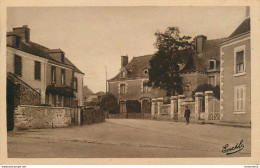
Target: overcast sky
pixel 95 37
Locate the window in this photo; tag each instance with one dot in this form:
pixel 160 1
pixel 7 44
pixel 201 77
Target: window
pixel 186 87
pixel 122 88
pixel 47 99
pixel 75 84
pixel 123 74
pixel 145 87
pixel 63 77
pixel 239 60
pixel 17 65
pixel 53 74
pixel 37 70
pixel 212 80
pixel 211 64
pixel 240 98
pixel 62 57
pixel 54 102
pixel 17 42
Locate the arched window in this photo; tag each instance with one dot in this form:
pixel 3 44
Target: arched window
pixel 122 88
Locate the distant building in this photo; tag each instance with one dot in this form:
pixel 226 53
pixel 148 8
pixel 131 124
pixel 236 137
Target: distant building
pixel 48 71
pixel 130 82
pixel 235 88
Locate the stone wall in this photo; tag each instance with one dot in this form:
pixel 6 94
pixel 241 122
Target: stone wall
pixel 36 117
pixel 24 94
pixel 92 116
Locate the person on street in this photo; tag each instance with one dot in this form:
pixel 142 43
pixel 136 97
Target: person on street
pixel 187 115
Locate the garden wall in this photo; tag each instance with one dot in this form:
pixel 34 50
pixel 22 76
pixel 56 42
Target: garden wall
pixel 35 117
pixel 90 116
pixel 131 115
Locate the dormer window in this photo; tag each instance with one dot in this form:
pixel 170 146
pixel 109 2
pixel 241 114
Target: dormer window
pixel 123 74
pixel 146 72
pixel 62 57
pixel 212 64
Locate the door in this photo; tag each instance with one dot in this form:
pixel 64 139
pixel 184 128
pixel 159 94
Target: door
pixel 146 106
pixel 10 105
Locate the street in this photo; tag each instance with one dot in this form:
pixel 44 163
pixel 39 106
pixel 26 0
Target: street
pixel 129 138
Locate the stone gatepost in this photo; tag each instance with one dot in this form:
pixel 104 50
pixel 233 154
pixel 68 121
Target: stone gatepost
pixel 180 101
pixel 208 97
pixel 160 103
pixel 154 101
pixel 174 100
pixel 198 104
pixel 79 116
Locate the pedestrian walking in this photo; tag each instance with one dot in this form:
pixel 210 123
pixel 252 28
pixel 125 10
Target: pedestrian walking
pixel 187 115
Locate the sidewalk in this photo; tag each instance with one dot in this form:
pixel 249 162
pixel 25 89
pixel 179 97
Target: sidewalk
pixel 220 123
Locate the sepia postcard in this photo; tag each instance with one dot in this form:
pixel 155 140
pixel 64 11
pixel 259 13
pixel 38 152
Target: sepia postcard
pixel 142 82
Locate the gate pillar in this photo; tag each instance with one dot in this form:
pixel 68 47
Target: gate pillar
pixel 208 97
pixel 198 99
pixel 160 103
pixel 154 101
pixel 180 101
pixel 174 100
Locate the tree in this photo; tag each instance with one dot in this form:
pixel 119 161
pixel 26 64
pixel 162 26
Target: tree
pixel 207 87
pixel 172 52
pixel 110 103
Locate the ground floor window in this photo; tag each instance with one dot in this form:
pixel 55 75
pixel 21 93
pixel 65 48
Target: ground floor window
pixel 240 98
pixel 123 107
pixel 212 80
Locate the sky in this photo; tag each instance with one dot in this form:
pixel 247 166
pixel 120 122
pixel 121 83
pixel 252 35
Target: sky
pixel 95 38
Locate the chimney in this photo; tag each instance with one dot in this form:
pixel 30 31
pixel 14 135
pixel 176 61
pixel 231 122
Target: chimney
pixel 200 42
pixel 247 11
pixel 124 61
pixel 24 32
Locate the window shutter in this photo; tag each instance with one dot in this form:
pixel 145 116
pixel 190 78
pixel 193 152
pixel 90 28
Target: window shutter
pixel 235 99
pixel 244 98
pixel 18 65
pixel 37 70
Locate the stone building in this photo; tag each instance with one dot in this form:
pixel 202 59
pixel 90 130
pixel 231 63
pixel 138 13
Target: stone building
pixel 235 87
pixel 130 82
pixel 58 81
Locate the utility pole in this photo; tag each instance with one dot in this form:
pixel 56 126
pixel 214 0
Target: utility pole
pixel 106 78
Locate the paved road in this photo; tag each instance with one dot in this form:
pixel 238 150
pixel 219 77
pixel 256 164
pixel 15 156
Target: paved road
pixel 118 138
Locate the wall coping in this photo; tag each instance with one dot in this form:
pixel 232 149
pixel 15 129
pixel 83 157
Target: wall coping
pixel 44 107
pixel 174 97
pixel 181 96
pixel 209 92
pixel 186 103
pixel 154 100
pixel 198 94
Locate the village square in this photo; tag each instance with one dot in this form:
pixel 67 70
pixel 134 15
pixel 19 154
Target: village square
pixel 191 97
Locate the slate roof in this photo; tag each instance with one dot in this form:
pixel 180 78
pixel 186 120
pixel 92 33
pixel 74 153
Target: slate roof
pixel 242 28
pixel 199 62
pixel 41 51
pixel 136 67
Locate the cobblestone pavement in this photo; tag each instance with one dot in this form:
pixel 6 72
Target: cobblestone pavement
pixel 129 138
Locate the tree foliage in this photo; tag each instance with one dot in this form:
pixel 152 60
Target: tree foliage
pixel 110 103
pixel 207 87
pixel 173 51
